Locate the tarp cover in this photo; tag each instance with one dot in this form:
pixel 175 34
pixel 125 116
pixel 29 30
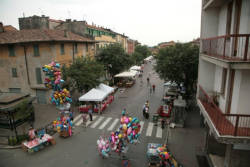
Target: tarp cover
pixel 94 95
pixel 126 74
pixel 105 88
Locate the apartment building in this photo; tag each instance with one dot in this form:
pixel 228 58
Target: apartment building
pixel 224 81
pixel 23 54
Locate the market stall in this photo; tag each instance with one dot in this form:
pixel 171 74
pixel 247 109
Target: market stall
pixel 125 79
pixel 38 140
pixel 109 90
pixel 95 96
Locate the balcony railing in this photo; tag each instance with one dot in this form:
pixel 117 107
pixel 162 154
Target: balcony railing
pixel 228 47
pixel 226 124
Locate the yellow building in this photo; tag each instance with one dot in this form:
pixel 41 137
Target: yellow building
pixel 123 40
pixel 23 54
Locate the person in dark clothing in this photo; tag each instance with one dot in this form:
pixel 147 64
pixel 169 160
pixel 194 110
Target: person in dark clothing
pixel 90 111
pixel 153 86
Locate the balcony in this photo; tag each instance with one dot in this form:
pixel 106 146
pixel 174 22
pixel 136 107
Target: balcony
pixel 229 48
pixel 235 125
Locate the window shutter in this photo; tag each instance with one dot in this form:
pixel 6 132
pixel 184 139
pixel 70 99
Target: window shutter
pixel 38 76
pixel 62 49
pixel 14 72
pixel 11 50
pixel 36 50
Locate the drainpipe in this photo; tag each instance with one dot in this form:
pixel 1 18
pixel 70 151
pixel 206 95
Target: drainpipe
pixel 73 56
pixel 26 63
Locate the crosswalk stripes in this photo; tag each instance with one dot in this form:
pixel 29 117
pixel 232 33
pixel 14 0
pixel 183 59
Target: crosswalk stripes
pixel 149 129
pixel 76 118
pixel 105 123
pixel 141 123
pixel 111 124
pixel 159 132
pixel 97 122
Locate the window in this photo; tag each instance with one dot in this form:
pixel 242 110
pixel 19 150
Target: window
pixel 15 90
pixel 38 76
pixel 62 49
pixel 87 47
pixel 75 48
pixel 14 72
pixel 223 81
pixel 36 50
pixel 11 50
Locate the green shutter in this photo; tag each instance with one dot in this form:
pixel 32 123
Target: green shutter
pixel 76 50
pixel 36 50
pixel 11 50
pixel 38 76
pixel 62 49
pixel 14 72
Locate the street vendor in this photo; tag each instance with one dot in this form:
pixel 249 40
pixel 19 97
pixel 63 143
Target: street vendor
pixel 32 134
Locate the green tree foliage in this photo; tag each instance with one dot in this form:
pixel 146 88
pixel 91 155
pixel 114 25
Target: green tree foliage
pixel 83 74
pixel 114 58
pixel 179 63
pixel 140 53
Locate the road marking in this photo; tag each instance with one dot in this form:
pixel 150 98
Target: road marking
pixel 88 122
pixel 159 132
pixel 141 123
pixel 105 123
pixel 97 122
pixel 77 118
pixel 149 129
pixel 113 124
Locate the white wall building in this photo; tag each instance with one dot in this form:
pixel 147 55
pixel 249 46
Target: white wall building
pixel 224 78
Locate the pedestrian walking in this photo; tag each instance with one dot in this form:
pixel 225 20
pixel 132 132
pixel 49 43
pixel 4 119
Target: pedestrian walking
pixel 153 86
pixel 148 80
pixel 90 111
pixel 84 119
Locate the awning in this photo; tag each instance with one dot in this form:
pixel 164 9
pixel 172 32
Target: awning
pixel 94 95
pixel 105 88
pixel 126 74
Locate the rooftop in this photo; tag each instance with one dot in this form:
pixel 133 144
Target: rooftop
pixel 37 35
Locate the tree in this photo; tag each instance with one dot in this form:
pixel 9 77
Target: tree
pixel 83 74
pixel 179 63
pixel 114 58
pixel 140 53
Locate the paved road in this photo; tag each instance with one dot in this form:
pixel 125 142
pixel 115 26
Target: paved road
pixel 80 149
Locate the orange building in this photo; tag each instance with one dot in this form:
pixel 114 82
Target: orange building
pixel 23 54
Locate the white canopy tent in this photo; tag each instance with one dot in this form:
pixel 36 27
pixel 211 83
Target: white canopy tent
pixel 105 88
pixel 94 95
pixel 149 58
pixel 137 68
pixel 126 74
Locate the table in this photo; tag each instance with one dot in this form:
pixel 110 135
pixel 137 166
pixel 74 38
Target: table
pixel 38 143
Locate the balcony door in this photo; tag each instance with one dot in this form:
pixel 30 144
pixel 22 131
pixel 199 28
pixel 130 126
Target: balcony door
pixel 237 24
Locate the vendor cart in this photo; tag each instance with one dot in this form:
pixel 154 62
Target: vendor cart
pixel 154 158
pixel 38 143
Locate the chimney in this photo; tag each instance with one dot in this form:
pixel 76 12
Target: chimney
pixel 65 33
pixel 1 27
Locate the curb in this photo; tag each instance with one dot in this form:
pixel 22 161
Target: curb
pixel 10 147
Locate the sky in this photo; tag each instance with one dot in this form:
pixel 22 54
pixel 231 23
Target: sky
pixel 148 21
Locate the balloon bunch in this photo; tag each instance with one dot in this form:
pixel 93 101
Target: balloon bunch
pixel 60 97
pixel 63 123
pixel 128 132
pixel 103 147
pixel 53 81
pixel 163 154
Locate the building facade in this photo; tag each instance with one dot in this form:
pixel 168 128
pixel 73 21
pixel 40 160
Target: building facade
pixel 166 44
pixel 23 54
pixel 224 81
pixel 131 46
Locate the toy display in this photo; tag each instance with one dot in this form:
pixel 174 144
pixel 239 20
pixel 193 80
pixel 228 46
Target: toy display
pixel 63 125
pixel 118 141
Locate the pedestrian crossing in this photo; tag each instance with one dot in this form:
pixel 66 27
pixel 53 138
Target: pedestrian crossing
pixel 113 124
